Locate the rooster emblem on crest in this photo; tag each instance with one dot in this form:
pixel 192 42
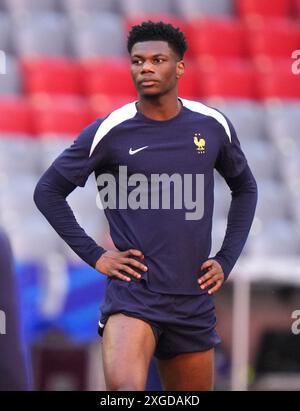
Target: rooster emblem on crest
pixel 199 142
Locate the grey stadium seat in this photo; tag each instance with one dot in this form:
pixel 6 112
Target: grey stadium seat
pixel 16 196
pixel 273 201
pixel 141 7
pixel 32 237
pixel 90 6
pixel 218 234
pixel 19 155
pixel 5 32
pixel 98 35
pixel 11 81
pixel 262 158
pixel 192 8
pixel 222 197
pixel 283 123
pixel 24 6
pixel 41 34
pixel 247 117
pixel 279 238
pixel 290 165
pixel 50 148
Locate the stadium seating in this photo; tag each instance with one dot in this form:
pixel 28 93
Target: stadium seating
pixel 189 85
pixel 297 7
pixel 279 237
pixel 205 35
pixel 97 35
pixel 262 158
pixel 50 147
pixel 273 203
pixel 276 80
pixel 264 9
pixel 283 127
pixel 99 73
pixel 232 78
pixel 90 6
pixel 248 118
pixel 24 6
pixel 276 38
pixel 41 34
pixel 19 155
pixel 194 8
pixel 5 32
pixel 146 7
pixel 221 201
pixel 51 76
pixel 16 116
pixel 11 81
pixel 103 104
pixel 217 235
pixel 283 124
pixel 61 115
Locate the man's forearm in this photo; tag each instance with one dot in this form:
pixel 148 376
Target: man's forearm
pixel 50 198
pixel 240 217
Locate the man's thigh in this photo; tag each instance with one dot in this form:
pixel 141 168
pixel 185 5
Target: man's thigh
pixel 188 371
pixel 128 345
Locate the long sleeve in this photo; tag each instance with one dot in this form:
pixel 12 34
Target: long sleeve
pixel 241 213
pixel 50 198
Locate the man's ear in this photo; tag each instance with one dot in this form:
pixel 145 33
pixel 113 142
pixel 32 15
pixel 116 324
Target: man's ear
pixel 180 69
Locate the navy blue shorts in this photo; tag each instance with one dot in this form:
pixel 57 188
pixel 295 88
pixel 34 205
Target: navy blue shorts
pixel 180 323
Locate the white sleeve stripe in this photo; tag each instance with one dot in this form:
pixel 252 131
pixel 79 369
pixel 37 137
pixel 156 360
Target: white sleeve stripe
pixel 208 111
pixel 115 118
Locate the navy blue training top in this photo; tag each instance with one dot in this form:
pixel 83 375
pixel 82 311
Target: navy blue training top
pixel 195 141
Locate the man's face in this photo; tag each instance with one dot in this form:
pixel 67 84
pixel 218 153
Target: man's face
pixel 155 68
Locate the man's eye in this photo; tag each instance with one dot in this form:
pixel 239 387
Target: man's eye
pixel 158 60
pixel 136 62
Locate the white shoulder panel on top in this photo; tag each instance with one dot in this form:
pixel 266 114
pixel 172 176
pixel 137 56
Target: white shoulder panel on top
pixel 208 111
pixel 115 118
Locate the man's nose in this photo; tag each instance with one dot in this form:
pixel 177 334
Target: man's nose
pixel 147 66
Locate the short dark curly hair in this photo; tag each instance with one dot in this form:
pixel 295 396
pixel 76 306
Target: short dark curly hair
pixel 149 30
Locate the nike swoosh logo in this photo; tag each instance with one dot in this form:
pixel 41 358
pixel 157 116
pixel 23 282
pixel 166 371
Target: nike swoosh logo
pixel 131 152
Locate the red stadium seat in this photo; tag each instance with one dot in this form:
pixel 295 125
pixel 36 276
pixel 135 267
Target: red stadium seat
pixel 263 8
pixel 233 78
pixel 108 77
pixel 297 7
pixel 61 115
pixel 51 76
pixel 274 38
pixel 276 80
pixel 189 83
pixel 102 105
pixel 219 37
pixel 16 116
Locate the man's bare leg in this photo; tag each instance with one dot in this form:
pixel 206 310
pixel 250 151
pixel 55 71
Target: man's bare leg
pixel 188 372
pixel 128 345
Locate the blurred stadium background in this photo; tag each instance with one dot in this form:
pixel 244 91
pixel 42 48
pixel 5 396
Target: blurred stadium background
pixel 64 63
